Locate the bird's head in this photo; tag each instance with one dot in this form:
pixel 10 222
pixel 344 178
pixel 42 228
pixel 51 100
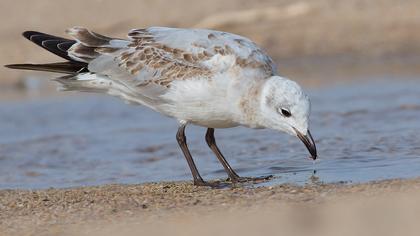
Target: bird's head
pixel 285 107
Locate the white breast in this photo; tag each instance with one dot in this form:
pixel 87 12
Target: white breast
pixel 200 101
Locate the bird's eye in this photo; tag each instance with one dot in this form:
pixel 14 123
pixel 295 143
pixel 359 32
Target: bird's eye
pixel 286 113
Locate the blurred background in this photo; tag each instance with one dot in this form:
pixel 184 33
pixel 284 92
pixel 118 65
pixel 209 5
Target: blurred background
pixel 309 40
pixel 359 59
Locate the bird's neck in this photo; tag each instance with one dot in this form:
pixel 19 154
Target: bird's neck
pixel 249 104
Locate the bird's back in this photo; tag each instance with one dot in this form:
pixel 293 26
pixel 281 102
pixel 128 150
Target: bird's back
pixel 162 55
pixel 144 67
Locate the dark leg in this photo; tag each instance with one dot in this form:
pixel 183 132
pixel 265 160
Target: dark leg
pixel 211 141
pixel 182 141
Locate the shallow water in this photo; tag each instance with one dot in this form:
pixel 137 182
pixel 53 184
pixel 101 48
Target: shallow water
pixel 363 132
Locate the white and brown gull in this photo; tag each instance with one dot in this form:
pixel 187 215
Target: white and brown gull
pixel 208 78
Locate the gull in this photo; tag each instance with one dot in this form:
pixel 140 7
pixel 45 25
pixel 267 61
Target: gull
pixel 203 77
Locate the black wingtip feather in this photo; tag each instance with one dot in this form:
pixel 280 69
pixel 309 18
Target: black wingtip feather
pixel 65 45
pixel 58 67
pixel 51 43
pixel 11 66
pixel 29 34
pixel 56 45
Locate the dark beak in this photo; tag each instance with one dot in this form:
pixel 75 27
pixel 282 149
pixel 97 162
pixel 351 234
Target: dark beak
pixel 309 142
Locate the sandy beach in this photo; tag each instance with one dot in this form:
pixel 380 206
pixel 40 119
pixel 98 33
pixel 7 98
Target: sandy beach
pixel 377 208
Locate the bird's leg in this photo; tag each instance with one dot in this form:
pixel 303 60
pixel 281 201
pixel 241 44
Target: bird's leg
pixel 211 141
pixel 182 141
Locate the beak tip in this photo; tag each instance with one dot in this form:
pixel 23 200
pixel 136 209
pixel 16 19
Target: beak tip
pixel 309 143
pixel 314 154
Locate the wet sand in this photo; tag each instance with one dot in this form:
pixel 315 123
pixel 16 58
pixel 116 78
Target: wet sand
pixel 179 208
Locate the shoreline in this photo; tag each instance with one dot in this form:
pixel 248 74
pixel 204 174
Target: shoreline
pixel 28 212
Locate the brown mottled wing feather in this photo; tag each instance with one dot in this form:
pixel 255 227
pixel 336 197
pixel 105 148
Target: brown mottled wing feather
pixel 182 53
pixel 161 55
pixel 90 45
pixel 89 38
pixel 159 63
